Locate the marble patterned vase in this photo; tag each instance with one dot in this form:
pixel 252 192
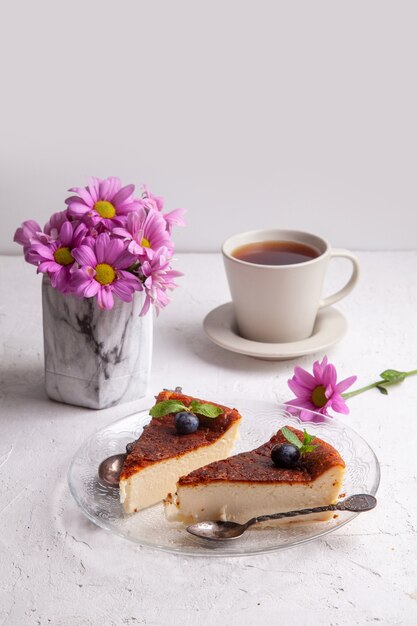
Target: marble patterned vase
pixel 95 358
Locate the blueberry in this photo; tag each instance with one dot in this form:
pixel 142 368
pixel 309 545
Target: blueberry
pixel 285 455
pixel 186 423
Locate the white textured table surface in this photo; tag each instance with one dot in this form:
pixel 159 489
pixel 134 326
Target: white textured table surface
pixel 57 568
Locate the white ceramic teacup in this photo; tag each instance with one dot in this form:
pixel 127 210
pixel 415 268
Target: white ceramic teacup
pixel 279 303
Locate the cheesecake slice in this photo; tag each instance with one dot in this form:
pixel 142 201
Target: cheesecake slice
pixel 249 484
pixel 160 456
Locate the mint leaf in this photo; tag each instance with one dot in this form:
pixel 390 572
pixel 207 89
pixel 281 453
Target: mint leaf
pixel 393 376
pixel 382 389
pixel 304 446
pixel 166 407
pixel 208 410
pixel 307 443
pixel 307 438
pixel 291 437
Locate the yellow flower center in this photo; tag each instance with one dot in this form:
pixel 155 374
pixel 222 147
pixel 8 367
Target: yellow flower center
pixel 319 396
pixel 105 274
pixel 145 243
pixel 63 256
pixel 105 209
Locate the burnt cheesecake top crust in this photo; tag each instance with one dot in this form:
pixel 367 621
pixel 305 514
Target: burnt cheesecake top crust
pixel 257 465
pixel 159 439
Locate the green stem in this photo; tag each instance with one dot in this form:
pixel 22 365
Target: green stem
pixel 385 383
pixel 356 392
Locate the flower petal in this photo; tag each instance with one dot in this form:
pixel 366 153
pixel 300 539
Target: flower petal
pixel 329 375
pixel 318 371
pixel 131 279
pixel 114 249
pixel 122 195
pixel 146 306
pixel 93 184
pixel 339 405
pixel 344 384
pixel 28 230
pixel 105 298
pixel 104 189
pixel 122 291
pixel 299 390
pixel 49 266
pixel 84 256
pixel 122 232
pixel 85 195
pixel 78 208
pixel 79 280
pixel 61 280
pixel 72 198
pixel 305 378
pixel 302 403
pixel 125 259
pixel 134 248
pixel 44 251
pixel 114 186
pixel 91 288
pixel 66 233
pixel 101 249
pixel 175 217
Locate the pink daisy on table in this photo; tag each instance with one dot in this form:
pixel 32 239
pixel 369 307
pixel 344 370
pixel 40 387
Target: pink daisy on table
pixel 158 277
pixel 173 218
pixel 54 255
pixel 103 201
pixel 103 264
pixel 145 232
pixel 319 391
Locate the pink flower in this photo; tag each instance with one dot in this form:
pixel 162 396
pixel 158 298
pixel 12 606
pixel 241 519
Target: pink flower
pixel 173 218
pixel 149 201
pixel 320 391
pixel 106 243
pixel 54 255
pixel 103 201
pixel 26 232
pixel 53 226
pixel 146 233
pixel 26 235
pixel 103 271
pixel 158 277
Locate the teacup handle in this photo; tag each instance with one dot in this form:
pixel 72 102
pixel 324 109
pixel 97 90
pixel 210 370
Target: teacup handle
pixel 340 252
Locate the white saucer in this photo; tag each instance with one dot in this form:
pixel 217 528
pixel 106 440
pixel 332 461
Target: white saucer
pixel 219 325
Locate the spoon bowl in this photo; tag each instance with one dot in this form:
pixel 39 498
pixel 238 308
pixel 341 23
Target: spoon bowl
pixel 110 469
pixel 217 531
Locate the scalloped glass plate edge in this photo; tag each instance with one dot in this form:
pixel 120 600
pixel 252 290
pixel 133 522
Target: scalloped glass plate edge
pixel 110 439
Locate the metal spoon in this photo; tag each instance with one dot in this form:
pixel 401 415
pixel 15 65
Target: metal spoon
pixel 110 469
pixel 224 531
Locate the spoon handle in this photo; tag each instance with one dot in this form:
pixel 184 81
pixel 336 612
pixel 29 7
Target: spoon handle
pixel 317 509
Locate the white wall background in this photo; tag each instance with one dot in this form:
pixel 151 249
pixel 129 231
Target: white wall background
pixel 249 114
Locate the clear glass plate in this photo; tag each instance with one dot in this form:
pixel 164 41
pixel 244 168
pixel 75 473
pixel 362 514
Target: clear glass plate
pixel 260 420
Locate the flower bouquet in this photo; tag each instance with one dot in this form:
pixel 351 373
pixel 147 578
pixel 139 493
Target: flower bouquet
pixel 106 261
